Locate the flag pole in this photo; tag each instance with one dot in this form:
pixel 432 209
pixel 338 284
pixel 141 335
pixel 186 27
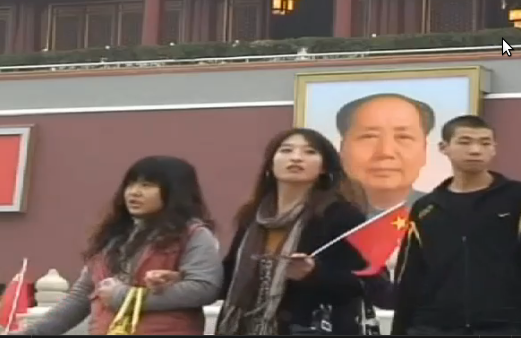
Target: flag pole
pixel 355 229
pixel 14 307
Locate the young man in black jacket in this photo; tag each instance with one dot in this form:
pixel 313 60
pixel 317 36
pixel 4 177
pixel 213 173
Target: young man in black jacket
pixel 459 269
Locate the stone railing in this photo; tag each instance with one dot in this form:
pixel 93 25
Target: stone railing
pixel 300 56
pixel 51 288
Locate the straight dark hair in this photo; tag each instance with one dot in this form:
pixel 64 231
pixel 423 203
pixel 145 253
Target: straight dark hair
pixel 466 121
pixel 331 186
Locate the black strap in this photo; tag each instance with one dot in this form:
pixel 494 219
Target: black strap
pixel 320 324
pixel 369 322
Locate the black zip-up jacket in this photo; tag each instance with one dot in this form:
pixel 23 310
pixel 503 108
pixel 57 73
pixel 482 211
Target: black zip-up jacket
pixel 461 270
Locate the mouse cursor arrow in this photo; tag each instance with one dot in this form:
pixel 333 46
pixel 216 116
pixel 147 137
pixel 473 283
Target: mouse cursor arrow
pixel 506 48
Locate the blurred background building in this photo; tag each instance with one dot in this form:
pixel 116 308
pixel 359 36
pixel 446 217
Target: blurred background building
pixel 35 25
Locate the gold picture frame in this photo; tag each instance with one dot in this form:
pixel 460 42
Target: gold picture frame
pixel 416 168
pixel 478 75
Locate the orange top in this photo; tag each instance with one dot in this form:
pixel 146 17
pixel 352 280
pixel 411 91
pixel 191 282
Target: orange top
pixel 274 240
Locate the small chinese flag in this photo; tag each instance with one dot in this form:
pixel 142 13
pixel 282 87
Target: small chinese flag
pixel 378 238
pixel 17 299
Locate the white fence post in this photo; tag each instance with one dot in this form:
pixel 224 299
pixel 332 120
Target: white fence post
pixel 49 290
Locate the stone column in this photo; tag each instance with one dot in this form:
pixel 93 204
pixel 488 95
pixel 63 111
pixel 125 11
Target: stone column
pixel 151 23
pixel 24 29
pixel 413 17
pixel 342 20
pixel 49 290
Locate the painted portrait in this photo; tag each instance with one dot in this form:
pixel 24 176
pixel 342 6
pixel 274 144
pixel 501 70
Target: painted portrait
pixel 387 124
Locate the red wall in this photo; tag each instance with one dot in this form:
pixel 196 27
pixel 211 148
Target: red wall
pixel 79 159
pixel 505 117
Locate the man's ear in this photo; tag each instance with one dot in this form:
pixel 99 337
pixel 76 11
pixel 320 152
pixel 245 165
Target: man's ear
pixel 442 147
pixel 341 148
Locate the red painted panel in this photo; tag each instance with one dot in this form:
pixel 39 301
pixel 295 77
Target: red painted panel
pixel 9 159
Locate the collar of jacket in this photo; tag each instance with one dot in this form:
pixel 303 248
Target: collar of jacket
pixel 499 182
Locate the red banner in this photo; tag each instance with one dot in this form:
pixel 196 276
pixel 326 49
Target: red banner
pixel 10 158
pixel 14 154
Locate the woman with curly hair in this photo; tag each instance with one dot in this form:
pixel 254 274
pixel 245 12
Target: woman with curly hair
pixel 159 225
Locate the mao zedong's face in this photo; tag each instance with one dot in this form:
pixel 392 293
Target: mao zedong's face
pixel 385 145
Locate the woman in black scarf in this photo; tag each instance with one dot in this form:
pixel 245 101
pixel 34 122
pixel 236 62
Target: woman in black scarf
pixel 301 201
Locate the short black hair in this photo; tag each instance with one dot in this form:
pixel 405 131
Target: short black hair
pixel 345 114
pixel 465 121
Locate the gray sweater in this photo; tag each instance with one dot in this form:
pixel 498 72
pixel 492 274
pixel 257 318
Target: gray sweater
pixel 202 281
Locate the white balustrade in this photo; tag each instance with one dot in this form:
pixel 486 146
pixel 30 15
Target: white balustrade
pixel 49 290
pixel 52 287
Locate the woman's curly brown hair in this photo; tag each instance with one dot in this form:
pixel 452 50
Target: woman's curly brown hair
pixel 182 201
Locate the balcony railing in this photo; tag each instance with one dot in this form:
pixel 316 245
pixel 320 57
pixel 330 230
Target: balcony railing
pixel 301 56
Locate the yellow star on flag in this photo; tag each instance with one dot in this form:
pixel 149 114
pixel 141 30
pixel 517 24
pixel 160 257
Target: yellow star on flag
pixel 400 223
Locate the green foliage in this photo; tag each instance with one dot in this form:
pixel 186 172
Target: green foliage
pixel 268 47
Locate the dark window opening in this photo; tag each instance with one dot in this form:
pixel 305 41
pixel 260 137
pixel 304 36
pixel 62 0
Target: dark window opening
pixel 96 26
pixel 173 22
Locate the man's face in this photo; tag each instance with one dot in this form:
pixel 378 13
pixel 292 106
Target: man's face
pixel 470 149
pixel 385 146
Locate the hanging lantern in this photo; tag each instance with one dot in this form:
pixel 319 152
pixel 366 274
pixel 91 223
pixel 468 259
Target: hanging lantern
pixel 514 15
pixel 282 7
